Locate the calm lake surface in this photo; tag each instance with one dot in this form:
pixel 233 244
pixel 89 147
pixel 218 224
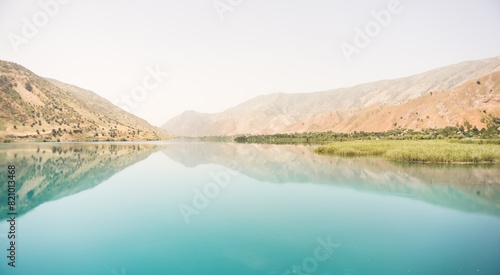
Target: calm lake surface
pixel 223 208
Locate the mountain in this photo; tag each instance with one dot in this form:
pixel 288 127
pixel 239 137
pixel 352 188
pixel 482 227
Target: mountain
pixel 33 108
pixel 322 111
pixel 468 102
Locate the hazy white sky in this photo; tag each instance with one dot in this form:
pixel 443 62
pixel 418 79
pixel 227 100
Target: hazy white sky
pixel 258 47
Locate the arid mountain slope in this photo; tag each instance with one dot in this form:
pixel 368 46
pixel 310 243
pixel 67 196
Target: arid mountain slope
pixel 300 112
pixel 470 101
pixel 33 108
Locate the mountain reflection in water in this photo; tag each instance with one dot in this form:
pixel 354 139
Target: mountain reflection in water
pixel 47 172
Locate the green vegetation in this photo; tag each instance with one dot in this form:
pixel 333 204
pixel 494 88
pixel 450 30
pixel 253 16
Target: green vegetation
pixel 465 131
pixel 429 151
pixel 214 138
pixel 462 144
pixel 476 141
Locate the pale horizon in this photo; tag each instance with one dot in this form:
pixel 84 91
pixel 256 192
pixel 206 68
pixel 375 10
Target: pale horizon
pixel 257 48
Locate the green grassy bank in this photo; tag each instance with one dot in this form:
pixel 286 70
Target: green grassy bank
pixel 430 151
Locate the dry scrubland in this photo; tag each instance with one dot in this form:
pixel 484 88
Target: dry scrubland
pixel 430 151
pixel 33 108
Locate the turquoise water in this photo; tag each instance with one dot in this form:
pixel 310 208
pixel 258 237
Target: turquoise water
pixel 218 208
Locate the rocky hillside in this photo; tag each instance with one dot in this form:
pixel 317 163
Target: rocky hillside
pixel 33 108
pixel 468 102
pixel 277 113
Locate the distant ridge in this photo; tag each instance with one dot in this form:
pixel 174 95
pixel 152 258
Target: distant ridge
pixel 323 111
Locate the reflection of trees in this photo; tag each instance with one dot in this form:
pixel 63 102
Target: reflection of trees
pixel 464 187
pixel 49 172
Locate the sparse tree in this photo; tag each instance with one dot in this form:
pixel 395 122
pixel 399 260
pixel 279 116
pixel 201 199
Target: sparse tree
pixel 28 86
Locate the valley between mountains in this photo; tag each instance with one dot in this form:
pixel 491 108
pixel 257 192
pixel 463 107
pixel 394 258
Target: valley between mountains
pixel 33 108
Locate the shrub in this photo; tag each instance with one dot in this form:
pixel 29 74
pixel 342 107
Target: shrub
pixel 28 86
